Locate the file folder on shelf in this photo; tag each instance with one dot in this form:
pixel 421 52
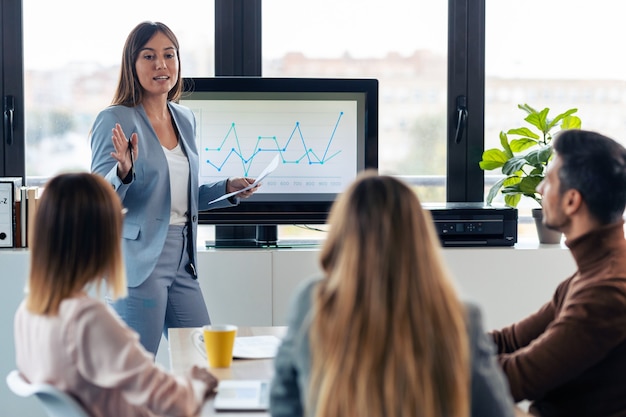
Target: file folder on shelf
pixel 7 204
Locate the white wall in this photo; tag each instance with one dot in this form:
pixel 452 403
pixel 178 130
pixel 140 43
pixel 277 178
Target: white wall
pixel 253 287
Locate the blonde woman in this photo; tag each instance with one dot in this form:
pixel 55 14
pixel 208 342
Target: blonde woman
pixel 75 342
pixel 383 333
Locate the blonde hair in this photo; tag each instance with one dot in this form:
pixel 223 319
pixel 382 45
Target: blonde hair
pixel 388 334
pixel 76 241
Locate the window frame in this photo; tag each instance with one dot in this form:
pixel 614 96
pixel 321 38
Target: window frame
pixel 13 161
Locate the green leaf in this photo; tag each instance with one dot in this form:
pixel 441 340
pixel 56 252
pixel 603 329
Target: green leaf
pixel 539 157
pixel 539 120
pixel 504 141
pixel 512 200
pixel 493 191
pixel 560 117
pixel 527 108
pixel 523 131
pixel 544 155
pixel 528 185
pixel 510 189
pixel 492 159
pixel 571 122
pixel 514 165
pixel 511 181
pixel 518 145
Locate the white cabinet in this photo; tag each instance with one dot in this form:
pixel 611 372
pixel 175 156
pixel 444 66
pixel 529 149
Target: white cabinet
pixel 237 286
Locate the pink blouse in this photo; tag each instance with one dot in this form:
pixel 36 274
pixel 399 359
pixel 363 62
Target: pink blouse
pixel 87 351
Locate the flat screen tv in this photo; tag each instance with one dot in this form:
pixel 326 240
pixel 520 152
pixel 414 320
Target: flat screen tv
pixel 324 131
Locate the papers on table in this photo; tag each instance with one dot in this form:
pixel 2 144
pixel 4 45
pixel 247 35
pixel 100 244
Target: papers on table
pixel 268 170
pixel 238 395
pixel 255 347
pixel 246 347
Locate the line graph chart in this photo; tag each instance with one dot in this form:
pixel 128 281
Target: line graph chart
pixel 296 137
pixel 316 142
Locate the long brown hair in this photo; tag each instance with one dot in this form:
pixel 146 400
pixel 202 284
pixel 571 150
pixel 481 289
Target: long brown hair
pixel 129 91
pixel 76 241
pixel 388 335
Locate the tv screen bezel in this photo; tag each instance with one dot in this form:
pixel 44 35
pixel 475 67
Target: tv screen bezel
pixel 250 212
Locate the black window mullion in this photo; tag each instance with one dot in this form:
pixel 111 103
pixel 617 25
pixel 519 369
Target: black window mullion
pixel 238 37
pixel 12 163
pixel 475 177
pixel 466 64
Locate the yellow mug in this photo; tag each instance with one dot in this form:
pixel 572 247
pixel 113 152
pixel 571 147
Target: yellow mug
pixel 219 340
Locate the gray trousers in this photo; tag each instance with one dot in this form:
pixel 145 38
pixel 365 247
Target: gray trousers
pixel 170 297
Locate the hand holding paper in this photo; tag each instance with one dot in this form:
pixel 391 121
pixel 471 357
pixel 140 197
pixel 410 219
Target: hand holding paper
pixel 268 170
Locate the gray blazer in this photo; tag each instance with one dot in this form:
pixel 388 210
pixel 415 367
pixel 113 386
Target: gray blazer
pixel 147 197
pixel 489 393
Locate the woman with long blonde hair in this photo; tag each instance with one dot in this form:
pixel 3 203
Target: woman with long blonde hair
pixel 383 333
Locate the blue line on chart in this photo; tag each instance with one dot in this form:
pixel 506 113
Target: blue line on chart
pixel 308 153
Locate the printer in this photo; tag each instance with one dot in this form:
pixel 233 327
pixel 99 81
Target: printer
pixel 474 224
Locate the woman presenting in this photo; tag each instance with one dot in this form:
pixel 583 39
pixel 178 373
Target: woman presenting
pixel 144 144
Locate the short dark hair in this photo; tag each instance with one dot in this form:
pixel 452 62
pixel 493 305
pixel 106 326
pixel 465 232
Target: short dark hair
pixel 595 165
pixel 129 91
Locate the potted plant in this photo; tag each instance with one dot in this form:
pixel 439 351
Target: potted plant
pixel 524 155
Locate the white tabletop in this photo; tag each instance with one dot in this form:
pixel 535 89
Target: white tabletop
pixel 184 354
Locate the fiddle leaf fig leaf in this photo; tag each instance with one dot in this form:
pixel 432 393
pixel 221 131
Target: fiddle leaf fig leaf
pixel 528 185
pixel 492 159
pixel 518 145
pixel 511 181
pixel 512 200
pixel 511 191
pixel 504 141
pixel 493 191
pixel 523 131
pixel 571 122
pixel 539 157
pixel 563 116
pixel 514 165
pixel 526 108
pixel 539 120
pixel 544 154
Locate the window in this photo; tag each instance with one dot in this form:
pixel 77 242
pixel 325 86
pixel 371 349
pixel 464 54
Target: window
pixel 417 50
pixel 561 57
pixel 402 44
pixel 71 68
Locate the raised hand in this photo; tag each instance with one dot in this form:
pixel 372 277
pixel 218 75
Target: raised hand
pixel 123 148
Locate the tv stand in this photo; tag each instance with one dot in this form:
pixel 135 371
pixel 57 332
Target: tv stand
pixel 246 236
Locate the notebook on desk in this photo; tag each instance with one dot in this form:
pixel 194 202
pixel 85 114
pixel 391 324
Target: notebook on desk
pixel 242 395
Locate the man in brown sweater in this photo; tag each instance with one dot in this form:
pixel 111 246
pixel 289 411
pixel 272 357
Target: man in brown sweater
pixel 569 358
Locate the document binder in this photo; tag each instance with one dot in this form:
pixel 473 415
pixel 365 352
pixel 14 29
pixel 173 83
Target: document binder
pixel 7 203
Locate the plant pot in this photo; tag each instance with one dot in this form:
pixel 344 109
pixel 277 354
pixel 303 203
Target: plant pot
pixel 546 235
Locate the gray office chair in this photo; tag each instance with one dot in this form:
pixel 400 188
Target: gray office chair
pixel 54 401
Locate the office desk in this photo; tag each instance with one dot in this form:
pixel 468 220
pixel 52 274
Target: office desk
pixel 184 354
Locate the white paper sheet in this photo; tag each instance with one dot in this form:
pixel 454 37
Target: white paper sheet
pixel 268 170
pixel 255 347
